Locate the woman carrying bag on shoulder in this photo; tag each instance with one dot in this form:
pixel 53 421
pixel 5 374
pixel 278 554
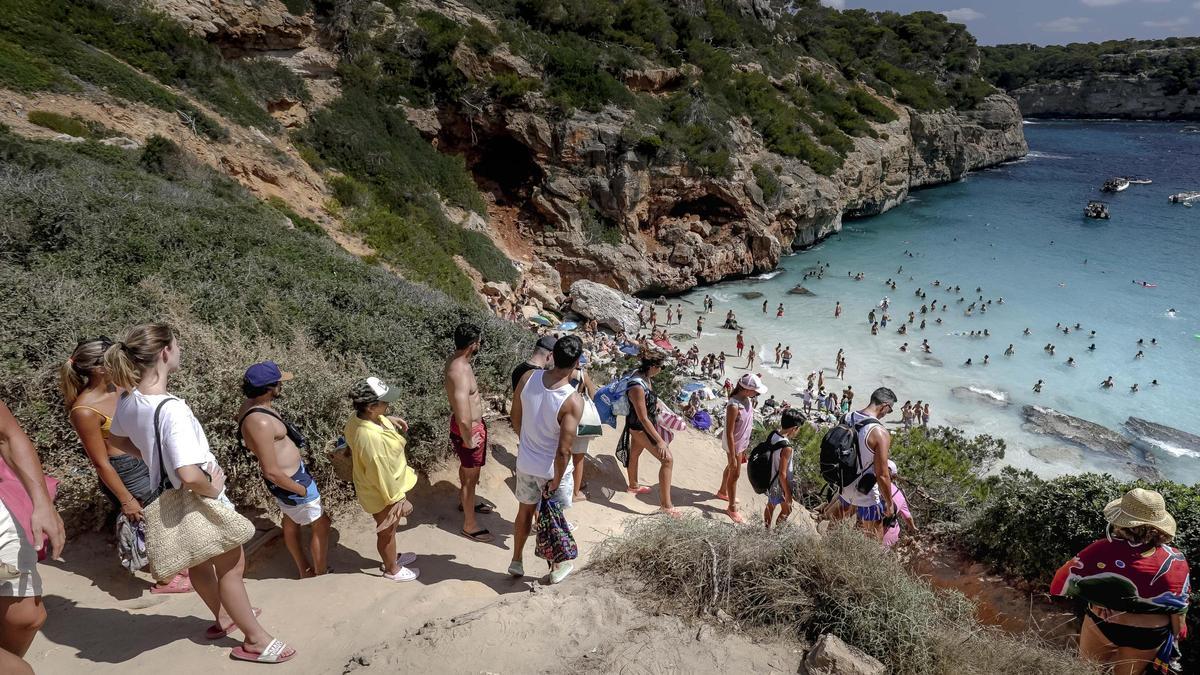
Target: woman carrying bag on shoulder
pixel 589 426
pixel 163 430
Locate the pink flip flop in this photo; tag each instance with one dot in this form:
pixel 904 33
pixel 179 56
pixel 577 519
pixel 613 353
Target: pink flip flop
pixel 216 632
pixel 274 653
pixel 180 584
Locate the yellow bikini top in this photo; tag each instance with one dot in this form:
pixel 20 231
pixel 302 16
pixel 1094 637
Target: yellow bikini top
pixel 104 426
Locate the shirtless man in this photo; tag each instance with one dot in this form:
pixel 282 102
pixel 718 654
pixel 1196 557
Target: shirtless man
pixel 276 444
pixel 468 433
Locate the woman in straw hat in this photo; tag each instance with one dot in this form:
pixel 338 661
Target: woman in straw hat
pixel 1135 586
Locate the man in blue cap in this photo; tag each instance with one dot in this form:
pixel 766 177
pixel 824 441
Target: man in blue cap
pixel 277 445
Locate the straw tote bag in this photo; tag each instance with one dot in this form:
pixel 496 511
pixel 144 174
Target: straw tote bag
pixel 184 529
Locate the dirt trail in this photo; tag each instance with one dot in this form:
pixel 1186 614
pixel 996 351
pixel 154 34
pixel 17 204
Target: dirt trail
pixel 102 620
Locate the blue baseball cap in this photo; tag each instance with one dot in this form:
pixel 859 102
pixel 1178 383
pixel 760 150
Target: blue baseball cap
pixel 265 373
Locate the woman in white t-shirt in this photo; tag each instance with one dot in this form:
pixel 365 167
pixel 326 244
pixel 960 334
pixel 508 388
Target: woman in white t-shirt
pixel 140 364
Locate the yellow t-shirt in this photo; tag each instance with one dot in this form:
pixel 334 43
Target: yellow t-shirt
pixel 382 475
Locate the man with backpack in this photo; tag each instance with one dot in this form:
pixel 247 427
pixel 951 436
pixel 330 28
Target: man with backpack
pixel 770 470
pixel 854 460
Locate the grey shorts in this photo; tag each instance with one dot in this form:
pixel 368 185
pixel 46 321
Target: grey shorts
pixel 528 489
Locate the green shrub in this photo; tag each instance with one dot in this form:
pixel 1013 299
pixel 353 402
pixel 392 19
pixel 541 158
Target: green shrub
pixel 481 252
pixel 298 221
pixel 767 182
pixel 577 78
pixel 597 228
pixel 23 71
pixel 72 126
pixel 871 107
pixel 510 88
pixel 794 585
pixel 239 286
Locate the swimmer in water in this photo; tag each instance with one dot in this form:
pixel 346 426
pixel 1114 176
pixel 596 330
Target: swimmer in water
pixel 986 358
pixel 1141 341
pixel 1051 350
pixel 1154 382
pixel 1092 347
pixel 1010 351
pixel 1134 388
pixel 1027 332
pixel 967 363
pixel 1037 387
pixel 1153 342
pixel 904 347
pixel 1138 355
pixel 1107 383
pixel 1071 361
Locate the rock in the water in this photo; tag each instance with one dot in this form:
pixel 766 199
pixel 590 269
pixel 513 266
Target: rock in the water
pixel 972 393
pixel 831 656
pixel 752 295
pixel 1079 431
pixel 800 290
pixel 1151 436
pixel 611 309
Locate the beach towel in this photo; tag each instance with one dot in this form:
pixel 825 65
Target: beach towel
pixel 702 420
pixel 668 423
pixel 1123 577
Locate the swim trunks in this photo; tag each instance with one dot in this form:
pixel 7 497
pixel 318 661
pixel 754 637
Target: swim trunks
pixel 302 510
pixel 469 458
pixel 19 576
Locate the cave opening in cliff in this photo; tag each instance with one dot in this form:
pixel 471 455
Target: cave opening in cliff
pixel 709 208
pixel 504 167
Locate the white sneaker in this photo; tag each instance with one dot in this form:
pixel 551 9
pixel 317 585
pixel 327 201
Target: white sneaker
pixel 403 574
pixel 561 571
pixel 517 569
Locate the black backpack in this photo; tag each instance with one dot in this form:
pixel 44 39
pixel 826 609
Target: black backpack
pixel 758 463
pixel 839 452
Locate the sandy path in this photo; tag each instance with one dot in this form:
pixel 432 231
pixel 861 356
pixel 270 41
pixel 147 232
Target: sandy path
pixel 102 620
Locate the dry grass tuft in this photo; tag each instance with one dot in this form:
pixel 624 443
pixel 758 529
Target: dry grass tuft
pixel 789 583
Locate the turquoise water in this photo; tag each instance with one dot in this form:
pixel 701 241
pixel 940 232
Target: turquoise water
pixel 1016 231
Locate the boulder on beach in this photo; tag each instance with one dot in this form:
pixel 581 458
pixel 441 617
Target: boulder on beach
pixel 800 290
pixel 1081 432
pixel 752 295
pixel 832 656
pixel 1150 436
pixel 610 308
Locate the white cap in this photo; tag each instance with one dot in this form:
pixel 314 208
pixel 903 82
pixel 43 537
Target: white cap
pixel 750 381
pixel 892 466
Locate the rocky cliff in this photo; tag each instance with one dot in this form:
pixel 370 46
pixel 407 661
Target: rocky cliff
pixel 1107 96
pixel 679 228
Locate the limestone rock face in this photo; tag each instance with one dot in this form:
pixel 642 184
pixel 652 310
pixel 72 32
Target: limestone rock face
pixel 670 228
pixel 259 25
pixel 831 656
pixel 1107 96
pixel 611 309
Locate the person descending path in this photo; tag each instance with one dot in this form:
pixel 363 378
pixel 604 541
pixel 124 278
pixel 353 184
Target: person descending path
pixel 739 425
pixel 783 490
pixel 869 497
pixel 22 612
pixel 277 444
pixel 468 432
pixel 166 433
pixel 382 476
pixel 92 401
pixel 641 433
pixel 545 414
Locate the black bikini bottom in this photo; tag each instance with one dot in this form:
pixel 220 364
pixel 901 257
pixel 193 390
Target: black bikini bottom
pixel 1132 637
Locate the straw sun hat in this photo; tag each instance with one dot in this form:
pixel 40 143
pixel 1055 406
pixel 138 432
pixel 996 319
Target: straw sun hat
pixel 1140 507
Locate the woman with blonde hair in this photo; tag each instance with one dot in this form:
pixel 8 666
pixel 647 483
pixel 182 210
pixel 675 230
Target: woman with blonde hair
pixel 91 400
pixel 1135 586
pixel 146 418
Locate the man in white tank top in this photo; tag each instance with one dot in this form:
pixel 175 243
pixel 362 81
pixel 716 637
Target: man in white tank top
pixel 545 414
pixel 870 507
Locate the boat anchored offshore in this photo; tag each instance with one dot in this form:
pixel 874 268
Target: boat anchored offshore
pixel 1184 197
pixel 1115 185
pixel 1098 210
pixel 1133 180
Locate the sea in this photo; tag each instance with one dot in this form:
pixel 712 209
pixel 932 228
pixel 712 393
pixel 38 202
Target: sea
pixel 1016 232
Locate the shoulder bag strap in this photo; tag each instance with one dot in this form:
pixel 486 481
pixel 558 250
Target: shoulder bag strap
pixel 164 482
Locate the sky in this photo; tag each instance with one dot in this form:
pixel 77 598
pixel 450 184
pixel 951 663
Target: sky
pixel 1054 21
